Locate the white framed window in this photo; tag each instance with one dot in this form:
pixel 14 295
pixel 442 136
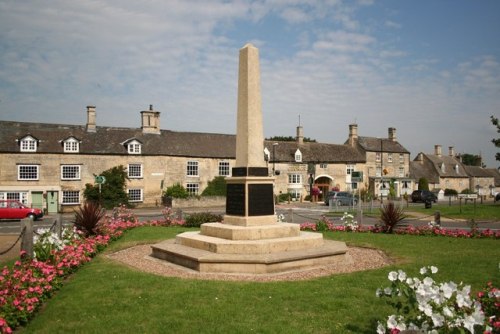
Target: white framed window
pixel 349 169
pixel 296 193
pixel 323 166
pixel 294 178
pixel 378 156
pixel 134 147
pixel 70 197
pixel 224 169
pixel 16 196
pixel 192 188
pixel 192 168
pixel 70 172
pixel 298 156
pixel 134 171
pixel 401 171
pixel 267 154
pixel 71 145
pixel 28 144
pixel 378 171
pixel 389 157
pixel 443 168
pixel 135 195
pixel 401 158
pixel 28 172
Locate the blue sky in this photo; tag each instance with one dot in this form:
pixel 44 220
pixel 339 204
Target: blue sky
pixel 429 68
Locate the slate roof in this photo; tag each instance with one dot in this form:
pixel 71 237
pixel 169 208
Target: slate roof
pixel 422 170
pixel 477 171
pixel 372 144
pixel 449 166
pixel 315 152
pixel 495 174
pixel 112 141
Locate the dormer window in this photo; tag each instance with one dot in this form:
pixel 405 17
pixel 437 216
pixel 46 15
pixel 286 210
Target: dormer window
pixel 298 156
pixel 133 146
pixel 71 145
pixel 443 168
pixel 28 144
pixel 456 169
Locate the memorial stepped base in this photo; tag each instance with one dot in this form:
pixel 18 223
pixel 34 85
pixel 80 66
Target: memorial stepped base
pixel 223 248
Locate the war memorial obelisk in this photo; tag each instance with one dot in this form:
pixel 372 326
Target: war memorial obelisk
pixel 250 240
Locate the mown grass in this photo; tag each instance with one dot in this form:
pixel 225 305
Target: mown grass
pixel 486 211
pixel 107 297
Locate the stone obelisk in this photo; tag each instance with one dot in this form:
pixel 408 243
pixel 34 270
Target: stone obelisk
pixel 250 199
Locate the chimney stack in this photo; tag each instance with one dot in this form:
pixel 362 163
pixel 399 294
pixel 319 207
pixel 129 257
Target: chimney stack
pixel 392 134
pixel 451 151
pixel 353 134
pixel 91 119
pixel 150 121
pixel 420 158
pixel 300 135
pixel 437 150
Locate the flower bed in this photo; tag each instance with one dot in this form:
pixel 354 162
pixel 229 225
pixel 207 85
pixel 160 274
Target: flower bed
pixel 349 225
pixel 25 286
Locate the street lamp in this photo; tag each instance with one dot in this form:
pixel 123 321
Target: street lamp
pixel 274 158
pixel 381 170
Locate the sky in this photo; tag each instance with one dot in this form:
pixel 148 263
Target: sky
pixel 429 68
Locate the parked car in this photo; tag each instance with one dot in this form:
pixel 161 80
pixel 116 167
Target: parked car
pixel 497 197
pixel 423 196
pixel 340 198
pixel 10 209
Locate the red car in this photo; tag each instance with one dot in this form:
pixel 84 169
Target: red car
pixel 10 209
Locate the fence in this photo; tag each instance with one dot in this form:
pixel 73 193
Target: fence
pixel 27 234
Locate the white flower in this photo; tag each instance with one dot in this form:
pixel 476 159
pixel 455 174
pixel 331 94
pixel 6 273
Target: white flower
pixel 437 319
pixel 380 329
pixel 393 276
pixel 447 312
pixel 388 291
pixel 378 293
pixel 401 275
pixel 428 281
pixel 448 289
pixel 391 322
pixel 423 270
pixel 434 269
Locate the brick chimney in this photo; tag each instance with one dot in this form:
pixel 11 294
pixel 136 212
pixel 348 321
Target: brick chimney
pixel 392 134
pixel 150 121
pixel 437 150
pixel 353 134
pixel 91 119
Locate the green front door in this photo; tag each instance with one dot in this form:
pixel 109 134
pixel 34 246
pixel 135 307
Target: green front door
pixel 52 201
pixel 37 200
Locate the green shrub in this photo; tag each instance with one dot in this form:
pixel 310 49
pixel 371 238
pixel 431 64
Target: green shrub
pixel 176 191
pixel 467 191
pixel 450 192
pixel 88 216
pixel 112 193
pixel 284 197
pixel 196 219
pixel 216 187
pixel 423 184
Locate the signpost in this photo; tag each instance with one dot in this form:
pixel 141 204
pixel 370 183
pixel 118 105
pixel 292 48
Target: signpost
pixel 100 180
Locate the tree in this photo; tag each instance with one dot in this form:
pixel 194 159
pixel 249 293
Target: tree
pixel 289 138
pixel 496 141
pixel 216 187
pixel 472 160
pixel 112 192
pixel 423 184
pixel 176 191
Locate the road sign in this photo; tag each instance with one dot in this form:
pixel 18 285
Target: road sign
pixel 100 179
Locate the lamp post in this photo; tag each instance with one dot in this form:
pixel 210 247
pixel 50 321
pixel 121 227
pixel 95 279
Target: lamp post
pixel 381 170
pixel 274 158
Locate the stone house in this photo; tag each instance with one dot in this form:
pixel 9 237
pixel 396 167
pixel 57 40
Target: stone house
pixel 387 162
pixel 481 180
pixel 441 171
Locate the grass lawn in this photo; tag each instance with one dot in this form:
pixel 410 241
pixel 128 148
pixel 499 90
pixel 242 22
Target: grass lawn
pixel 107 297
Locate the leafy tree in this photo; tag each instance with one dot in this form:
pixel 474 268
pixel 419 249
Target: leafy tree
pixel 496 141
pixel 112 191
pixel 176 191
pixel 423 184
pixel 216 187
pixel 472 160
pixel 289 138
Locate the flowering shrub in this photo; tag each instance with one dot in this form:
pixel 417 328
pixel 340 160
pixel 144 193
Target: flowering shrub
pixel 424 305
pixel 411 230
pixel 349 223
pixel 24 287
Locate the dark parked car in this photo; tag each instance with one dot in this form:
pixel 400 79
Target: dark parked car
pixel 340 198
pixel 423 196
pixel 497 197
pixel 10 209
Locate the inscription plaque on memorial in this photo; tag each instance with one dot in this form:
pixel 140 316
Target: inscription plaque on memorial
pixel 235 199
pixel 260 200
